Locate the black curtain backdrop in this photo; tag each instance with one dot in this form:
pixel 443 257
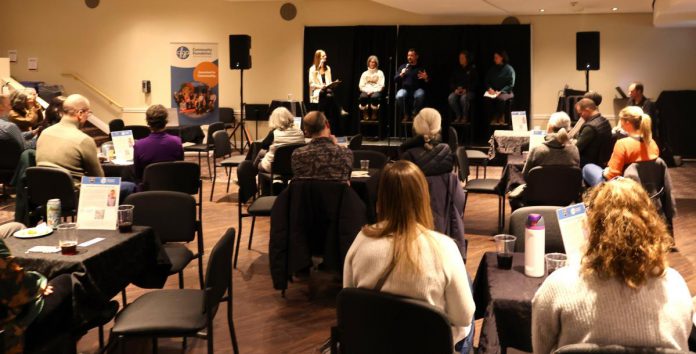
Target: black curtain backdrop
pixel 347 49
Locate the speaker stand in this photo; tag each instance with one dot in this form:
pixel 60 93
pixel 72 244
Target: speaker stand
pixel 587 78
pixel 244 136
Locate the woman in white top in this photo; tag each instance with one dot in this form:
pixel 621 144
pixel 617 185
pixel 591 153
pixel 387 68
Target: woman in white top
pixel 283 132
pixel 402 249
pixel 624 292
pixel 321 91
pixel 371 85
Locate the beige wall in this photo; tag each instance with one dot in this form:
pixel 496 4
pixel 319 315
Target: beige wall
pixel 123 42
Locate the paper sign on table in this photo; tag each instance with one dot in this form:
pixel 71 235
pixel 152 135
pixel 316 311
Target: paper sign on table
pixel 519 121
pixel 536 138
pixel 572 221
pixel 123 144
pixel 98 207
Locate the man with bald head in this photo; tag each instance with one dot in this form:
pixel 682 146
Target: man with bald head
pixel 65 146
pixel 321 159
pixel 594 138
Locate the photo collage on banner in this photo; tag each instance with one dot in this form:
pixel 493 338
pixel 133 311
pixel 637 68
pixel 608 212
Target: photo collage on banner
pixel 195 89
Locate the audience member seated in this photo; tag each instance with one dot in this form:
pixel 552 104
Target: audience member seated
pixel 425 150
pixel 283 131
pixel 638 146
pixel 597 99
pixel 158 146
pixel 594 138
pixel 63 145
pixel 371 85
pixel 623 293
pixel 26 112
pixel 54 112
pixel 557 150
pixel 637 98
pixel 401 255
pixel 321 159
pixel 8 130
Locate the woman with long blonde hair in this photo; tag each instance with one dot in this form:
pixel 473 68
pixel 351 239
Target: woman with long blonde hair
pixel 624 292
pixel 321 92
pixel 638 146
pixel 401 255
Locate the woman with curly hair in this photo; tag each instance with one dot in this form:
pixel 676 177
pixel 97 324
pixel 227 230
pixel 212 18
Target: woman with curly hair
pixel 26 112
pixel 624 292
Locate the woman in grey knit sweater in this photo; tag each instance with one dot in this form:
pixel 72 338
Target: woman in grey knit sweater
pixel 557 149
pixel 623 292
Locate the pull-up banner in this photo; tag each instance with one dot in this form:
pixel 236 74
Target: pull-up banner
pixel 194 71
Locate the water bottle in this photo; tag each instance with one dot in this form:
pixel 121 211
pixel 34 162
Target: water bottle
pixel 534 246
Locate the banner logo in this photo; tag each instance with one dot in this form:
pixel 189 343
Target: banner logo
pixel 182 52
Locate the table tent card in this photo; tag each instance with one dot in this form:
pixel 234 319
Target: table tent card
pixel 98 206
pixel 123 145
pixel 519 121
pixel 572 221
pixel 536 138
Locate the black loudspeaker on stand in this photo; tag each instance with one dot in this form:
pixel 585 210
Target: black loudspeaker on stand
pixel 587 54
pixel 240 59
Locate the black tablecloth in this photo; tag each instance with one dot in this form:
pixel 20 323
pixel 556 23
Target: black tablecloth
pixel 102 270
pixel 366 188
pixel 504 300
pixel 512 174
pixel 126 172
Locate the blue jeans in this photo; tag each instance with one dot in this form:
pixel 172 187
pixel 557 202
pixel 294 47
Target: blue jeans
pixel 127 188
pixel 592 174
pixel 406 99
pixel 459 104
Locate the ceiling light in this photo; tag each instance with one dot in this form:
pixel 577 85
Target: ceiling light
pixel 541 10
pixel 614 9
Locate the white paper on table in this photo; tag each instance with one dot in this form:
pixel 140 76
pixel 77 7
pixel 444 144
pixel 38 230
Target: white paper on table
pixel 43 249
pixel 572 221
pixel 519 121
pixel 123 144
pixel 91 242
pixel 536 138
pixel 491 95
pixel 98 205
pixel 298 122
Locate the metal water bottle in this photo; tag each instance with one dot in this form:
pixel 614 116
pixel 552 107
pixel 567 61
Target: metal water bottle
pixel 534 246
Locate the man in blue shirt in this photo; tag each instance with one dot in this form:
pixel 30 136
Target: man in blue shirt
pixel 411 79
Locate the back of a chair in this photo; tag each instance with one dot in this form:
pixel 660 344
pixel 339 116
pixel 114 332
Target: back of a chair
pixel 453 139
pixel 218 275
pixel 139 131
pixel 116 125
pixel 246 178
pixel 227 115
pixel 282 160
pixel 553 185
pixel 44 183
pixel 373 322
pixel 376 158
pixel 9 158
pixel 588 348
pixel 355 142
pixel 554 241
pixel 652 177
pixel 221 144
pixel 176 176
pixel 157 209
pixel 463 163
pixel 212 129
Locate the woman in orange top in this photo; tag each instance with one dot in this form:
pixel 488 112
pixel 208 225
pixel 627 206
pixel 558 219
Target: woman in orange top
pixel 638 146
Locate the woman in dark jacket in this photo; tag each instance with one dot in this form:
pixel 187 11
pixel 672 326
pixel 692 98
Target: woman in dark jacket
pixel 425 150
pixel 500 80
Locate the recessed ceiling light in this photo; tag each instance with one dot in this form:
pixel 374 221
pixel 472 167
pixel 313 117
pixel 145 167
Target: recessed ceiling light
pixel 541 10
pixel 614 9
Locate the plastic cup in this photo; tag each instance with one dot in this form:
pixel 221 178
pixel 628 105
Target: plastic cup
pixel 505 247
pixel 125 218
pixel 67 238
pixel 555 261
pixel 364 165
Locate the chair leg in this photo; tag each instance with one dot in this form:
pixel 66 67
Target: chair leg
pixel 239 237
pixel 209 337
pixel 124 300
pixel 229 177
pixel 183 343
pixel 251 232
pixel 181 279
pixel 101 337
pixel 200 270
pixel 212 188
pixel 154 345
pixel 230 324
pixel 199 160
pixel 207 157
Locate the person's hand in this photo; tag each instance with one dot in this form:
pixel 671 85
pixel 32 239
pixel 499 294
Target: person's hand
pixel 48 290
pixel 459 91
pixel 403 72
pixel 423 75
pixel 491 91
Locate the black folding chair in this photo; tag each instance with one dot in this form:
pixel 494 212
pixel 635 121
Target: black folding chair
pixel 184 313
pixel 209 144
pixel 175 176
pixel 376 158
pixel 281 168
pixel 223 150
pixel 45 183
pixel 139 131
pixel 482 186
pixel 9 159
pixel 246 178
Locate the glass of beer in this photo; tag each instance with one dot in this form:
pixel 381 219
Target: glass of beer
pixel 505 246
pixel 67 238
pixel 125 218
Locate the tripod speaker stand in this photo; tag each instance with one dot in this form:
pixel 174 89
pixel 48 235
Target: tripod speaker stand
pixel 244 136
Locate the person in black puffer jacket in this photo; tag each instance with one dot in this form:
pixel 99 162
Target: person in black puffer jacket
pixel 426 150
